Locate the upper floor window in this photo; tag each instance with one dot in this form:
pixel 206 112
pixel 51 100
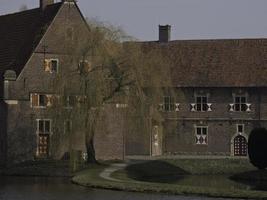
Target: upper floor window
pixel 69 33
pixel 70 101
pixel 240 103
pixel 201 133
pixel 85 66
pixel 41 100
pixel 168 104
pixel 51 65
pixel 67 126
pixel 44 126
pixel 201 104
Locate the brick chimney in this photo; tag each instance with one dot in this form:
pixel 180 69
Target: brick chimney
pixel 44 3
pixel 164 33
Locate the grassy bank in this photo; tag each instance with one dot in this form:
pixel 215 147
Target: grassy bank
pixel 149 177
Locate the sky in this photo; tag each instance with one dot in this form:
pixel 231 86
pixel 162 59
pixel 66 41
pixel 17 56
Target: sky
pixel 190 19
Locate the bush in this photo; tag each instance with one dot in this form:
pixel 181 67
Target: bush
pixel 257 148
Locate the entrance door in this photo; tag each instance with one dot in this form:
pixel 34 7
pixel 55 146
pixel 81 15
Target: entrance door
pixel 43 145
pixel 156 141
pixel 240 146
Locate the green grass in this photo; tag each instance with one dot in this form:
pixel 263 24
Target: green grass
pixel 183 167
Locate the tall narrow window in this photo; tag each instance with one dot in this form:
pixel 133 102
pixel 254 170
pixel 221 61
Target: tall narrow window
pixel 67 126
pixel 169 104
pixel 201 133
pixel 240 128
pixel 43 135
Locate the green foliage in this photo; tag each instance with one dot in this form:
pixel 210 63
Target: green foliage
pixel 257 148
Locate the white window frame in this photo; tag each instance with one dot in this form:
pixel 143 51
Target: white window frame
pixel 197 136
pixel 37 126
pixel 233 107
pixel 243 128
pixel 50 60
pixel 202 104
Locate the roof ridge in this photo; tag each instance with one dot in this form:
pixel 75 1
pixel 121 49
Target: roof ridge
pixel 28 10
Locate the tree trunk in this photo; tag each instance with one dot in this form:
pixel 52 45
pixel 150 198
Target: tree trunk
pixel 90 151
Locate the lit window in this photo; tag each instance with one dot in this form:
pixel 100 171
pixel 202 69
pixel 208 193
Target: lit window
pixel 201 133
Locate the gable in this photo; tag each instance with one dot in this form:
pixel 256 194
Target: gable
pixel 20 33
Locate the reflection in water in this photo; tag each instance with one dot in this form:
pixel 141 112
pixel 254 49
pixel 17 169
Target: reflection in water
pixel 21 188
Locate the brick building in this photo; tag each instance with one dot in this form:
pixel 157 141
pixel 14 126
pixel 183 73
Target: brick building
pixel 218 94
pixel 34 50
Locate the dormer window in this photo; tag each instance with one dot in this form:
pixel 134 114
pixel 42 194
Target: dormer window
pixel 51 65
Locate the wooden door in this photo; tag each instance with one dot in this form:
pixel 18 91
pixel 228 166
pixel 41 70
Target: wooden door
pixel 240 146
pixel 43 145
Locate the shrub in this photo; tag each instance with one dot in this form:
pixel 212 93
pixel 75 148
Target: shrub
pixel 257 148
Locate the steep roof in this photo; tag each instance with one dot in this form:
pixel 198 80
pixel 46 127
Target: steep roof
pixel 215 63
pixel 20 33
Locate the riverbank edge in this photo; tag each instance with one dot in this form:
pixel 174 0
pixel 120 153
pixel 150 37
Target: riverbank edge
pixel 90 178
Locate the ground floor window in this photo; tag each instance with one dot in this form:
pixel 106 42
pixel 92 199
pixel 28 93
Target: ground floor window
pixel 201 134
pixel 43 137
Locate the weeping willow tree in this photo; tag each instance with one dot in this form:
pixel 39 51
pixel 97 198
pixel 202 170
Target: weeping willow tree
pixel 94 73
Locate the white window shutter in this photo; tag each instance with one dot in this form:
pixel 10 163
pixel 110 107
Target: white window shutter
pixel 248 107
pixel 193 107
pixel 177 109
pixel 231 107
pixel 209 107
pixel 160 107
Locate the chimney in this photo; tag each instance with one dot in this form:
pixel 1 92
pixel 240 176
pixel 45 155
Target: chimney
pixel 44 3
pixel 164 33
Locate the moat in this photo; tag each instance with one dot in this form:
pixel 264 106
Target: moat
pixel 31 188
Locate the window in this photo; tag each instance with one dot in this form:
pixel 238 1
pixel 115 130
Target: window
pixel 240 103
pixel 67 126
pixel 240 128
pixel 201 133
pixel 51 65
pixel 201 103
pixel 41 100
pixel 44 126
pixel 69 101
pixel 168 104
pixel 85 66
pixel 43 135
